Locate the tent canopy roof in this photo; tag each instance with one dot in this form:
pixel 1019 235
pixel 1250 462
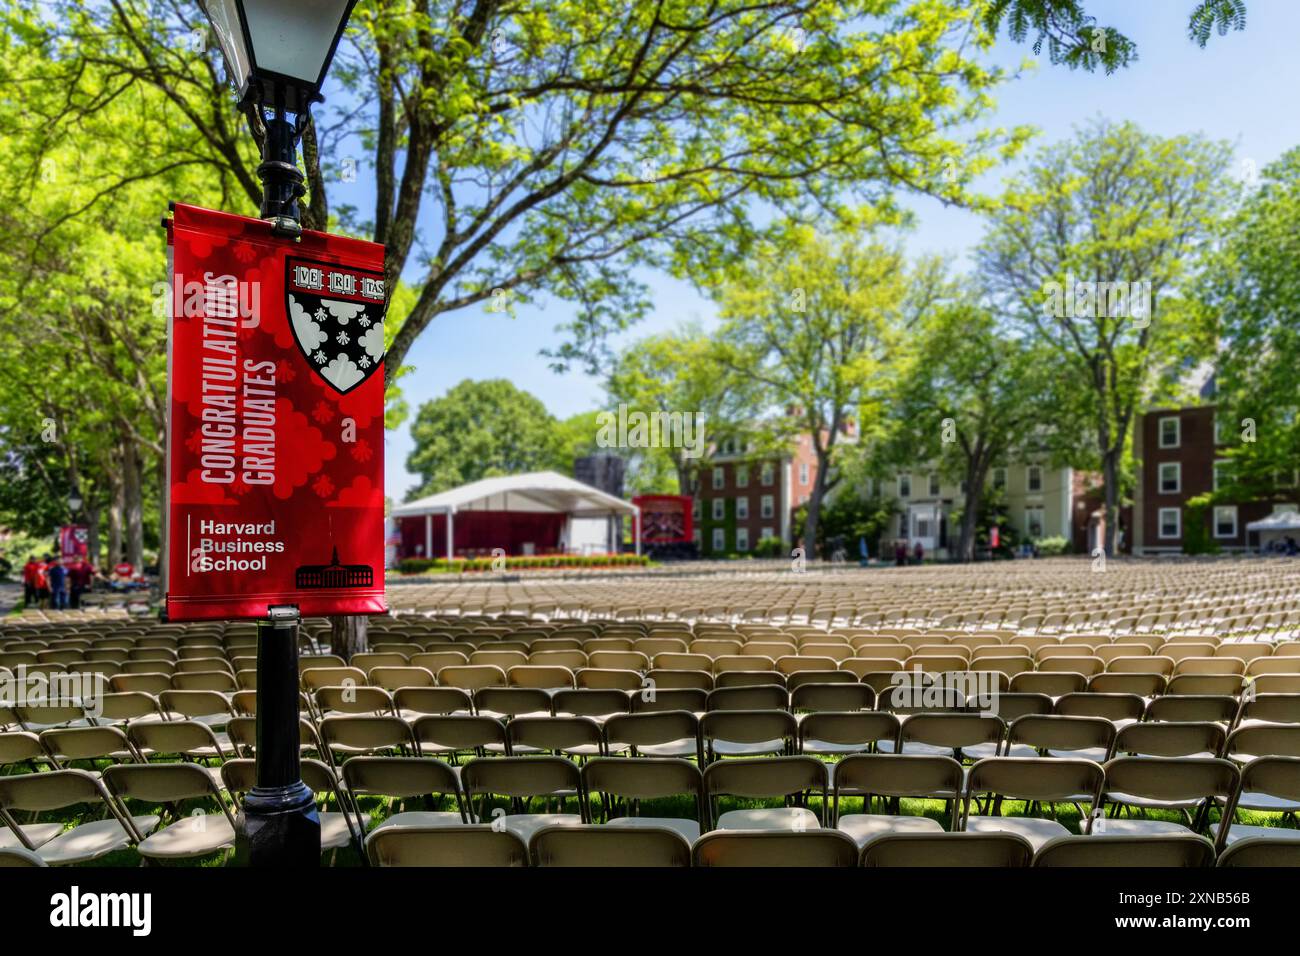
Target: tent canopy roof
pixel 1279 521
pixel 537 491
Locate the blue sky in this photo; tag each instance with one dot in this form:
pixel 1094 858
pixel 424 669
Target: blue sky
pixel 1240 88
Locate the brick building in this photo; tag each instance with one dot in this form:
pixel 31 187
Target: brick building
pixel 1180 453
pixel 741 497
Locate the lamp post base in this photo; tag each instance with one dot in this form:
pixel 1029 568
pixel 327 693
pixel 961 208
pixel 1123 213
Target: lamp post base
pixel 278 827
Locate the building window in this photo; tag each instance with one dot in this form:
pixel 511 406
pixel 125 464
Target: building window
pixel 1219 430
pixel 742 539
pixel 719 539
pixel 719 506
pixel 1033 523
pixel 766 533
pixel 742 508
pixel 1171 477
pixel 934 485
pixel 719 478
pixel 769 473
pixel 1222 474
pixel 803 472
pixel 1034 478
pixel 1171 523
pixel 1170 432
pixel 1225 521
pixel 1285 479
pixel 904 486
pixel 766 507
pixel 965 486
pixel 742 476
pixel 695 536
pixel 999 479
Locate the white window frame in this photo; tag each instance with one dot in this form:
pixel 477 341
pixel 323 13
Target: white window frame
pixel 1178 524
pixel 695 509
pixel 742 476
pixel 742 508
pixel 1221 463
pixel 933 485
pixel 1178 432
pixel 1042 522
pixel 1178 478
pixel 719 477
pixel 767 533
pixel 718 510
pixel 767 506
pixel 1214 516
pixel 999 479
pixel 803 472
pixel 719 539
pixel 742 539
pixel 1034 485
pixel 1218 429
pixel 768 474
pixel 905 479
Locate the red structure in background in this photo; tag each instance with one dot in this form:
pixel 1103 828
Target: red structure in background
pixel 665 519
pixel 74 540
pixel 476 534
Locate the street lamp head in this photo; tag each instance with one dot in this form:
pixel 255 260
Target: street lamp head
pixel 277 53
pixel 278 50
pixel 75 502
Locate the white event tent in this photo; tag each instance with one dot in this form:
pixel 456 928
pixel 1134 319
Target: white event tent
pixel 543 492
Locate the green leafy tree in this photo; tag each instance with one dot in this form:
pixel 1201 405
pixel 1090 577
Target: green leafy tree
pixel 1076 39
pixel 481 430
pixel 1252 287
pixel 1091 253
pixel 676 373
pixel 972 396
pixel 550 150
pixel 815 324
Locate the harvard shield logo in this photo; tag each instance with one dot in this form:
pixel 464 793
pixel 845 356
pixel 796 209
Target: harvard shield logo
pixel 337 316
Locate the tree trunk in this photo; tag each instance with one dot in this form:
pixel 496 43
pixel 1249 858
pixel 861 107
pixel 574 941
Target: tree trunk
pixel 116 508
pixel 969 518
pixel 814 509
pixel 1110 478
pixel 92 534
pixel 977 468
pixel 348 635
pixel 162 525
pixel 132 498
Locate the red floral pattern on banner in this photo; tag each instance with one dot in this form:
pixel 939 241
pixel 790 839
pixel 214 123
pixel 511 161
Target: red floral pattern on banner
pixel 276 400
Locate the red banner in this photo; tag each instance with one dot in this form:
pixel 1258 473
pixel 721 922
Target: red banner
pixel 665 519
pixel 275 428
pixel 74 541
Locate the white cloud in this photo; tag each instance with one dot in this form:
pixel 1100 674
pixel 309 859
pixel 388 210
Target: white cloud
pixel 373 342
pixel 343 372
pixel 343 311
pixel 307 329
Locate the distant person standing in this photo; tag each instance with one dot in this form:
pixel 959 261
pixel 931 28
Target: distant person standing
pixel 42 578
pixel 1290 547
pixel 30 592
pixel 900 553
pixel 80 576
pixel 919 552
pixel 58 576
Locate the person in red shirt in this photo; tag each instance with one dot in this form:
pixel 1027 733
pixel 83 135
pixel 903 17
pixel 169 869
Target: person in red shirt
pixel 29 581
pixel 41 578
pixel 80 574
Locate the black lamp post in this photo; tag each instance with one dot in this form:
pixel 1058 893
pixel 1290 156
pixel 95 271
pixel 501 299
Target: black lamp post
pixel 277 53
pixel 75 502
